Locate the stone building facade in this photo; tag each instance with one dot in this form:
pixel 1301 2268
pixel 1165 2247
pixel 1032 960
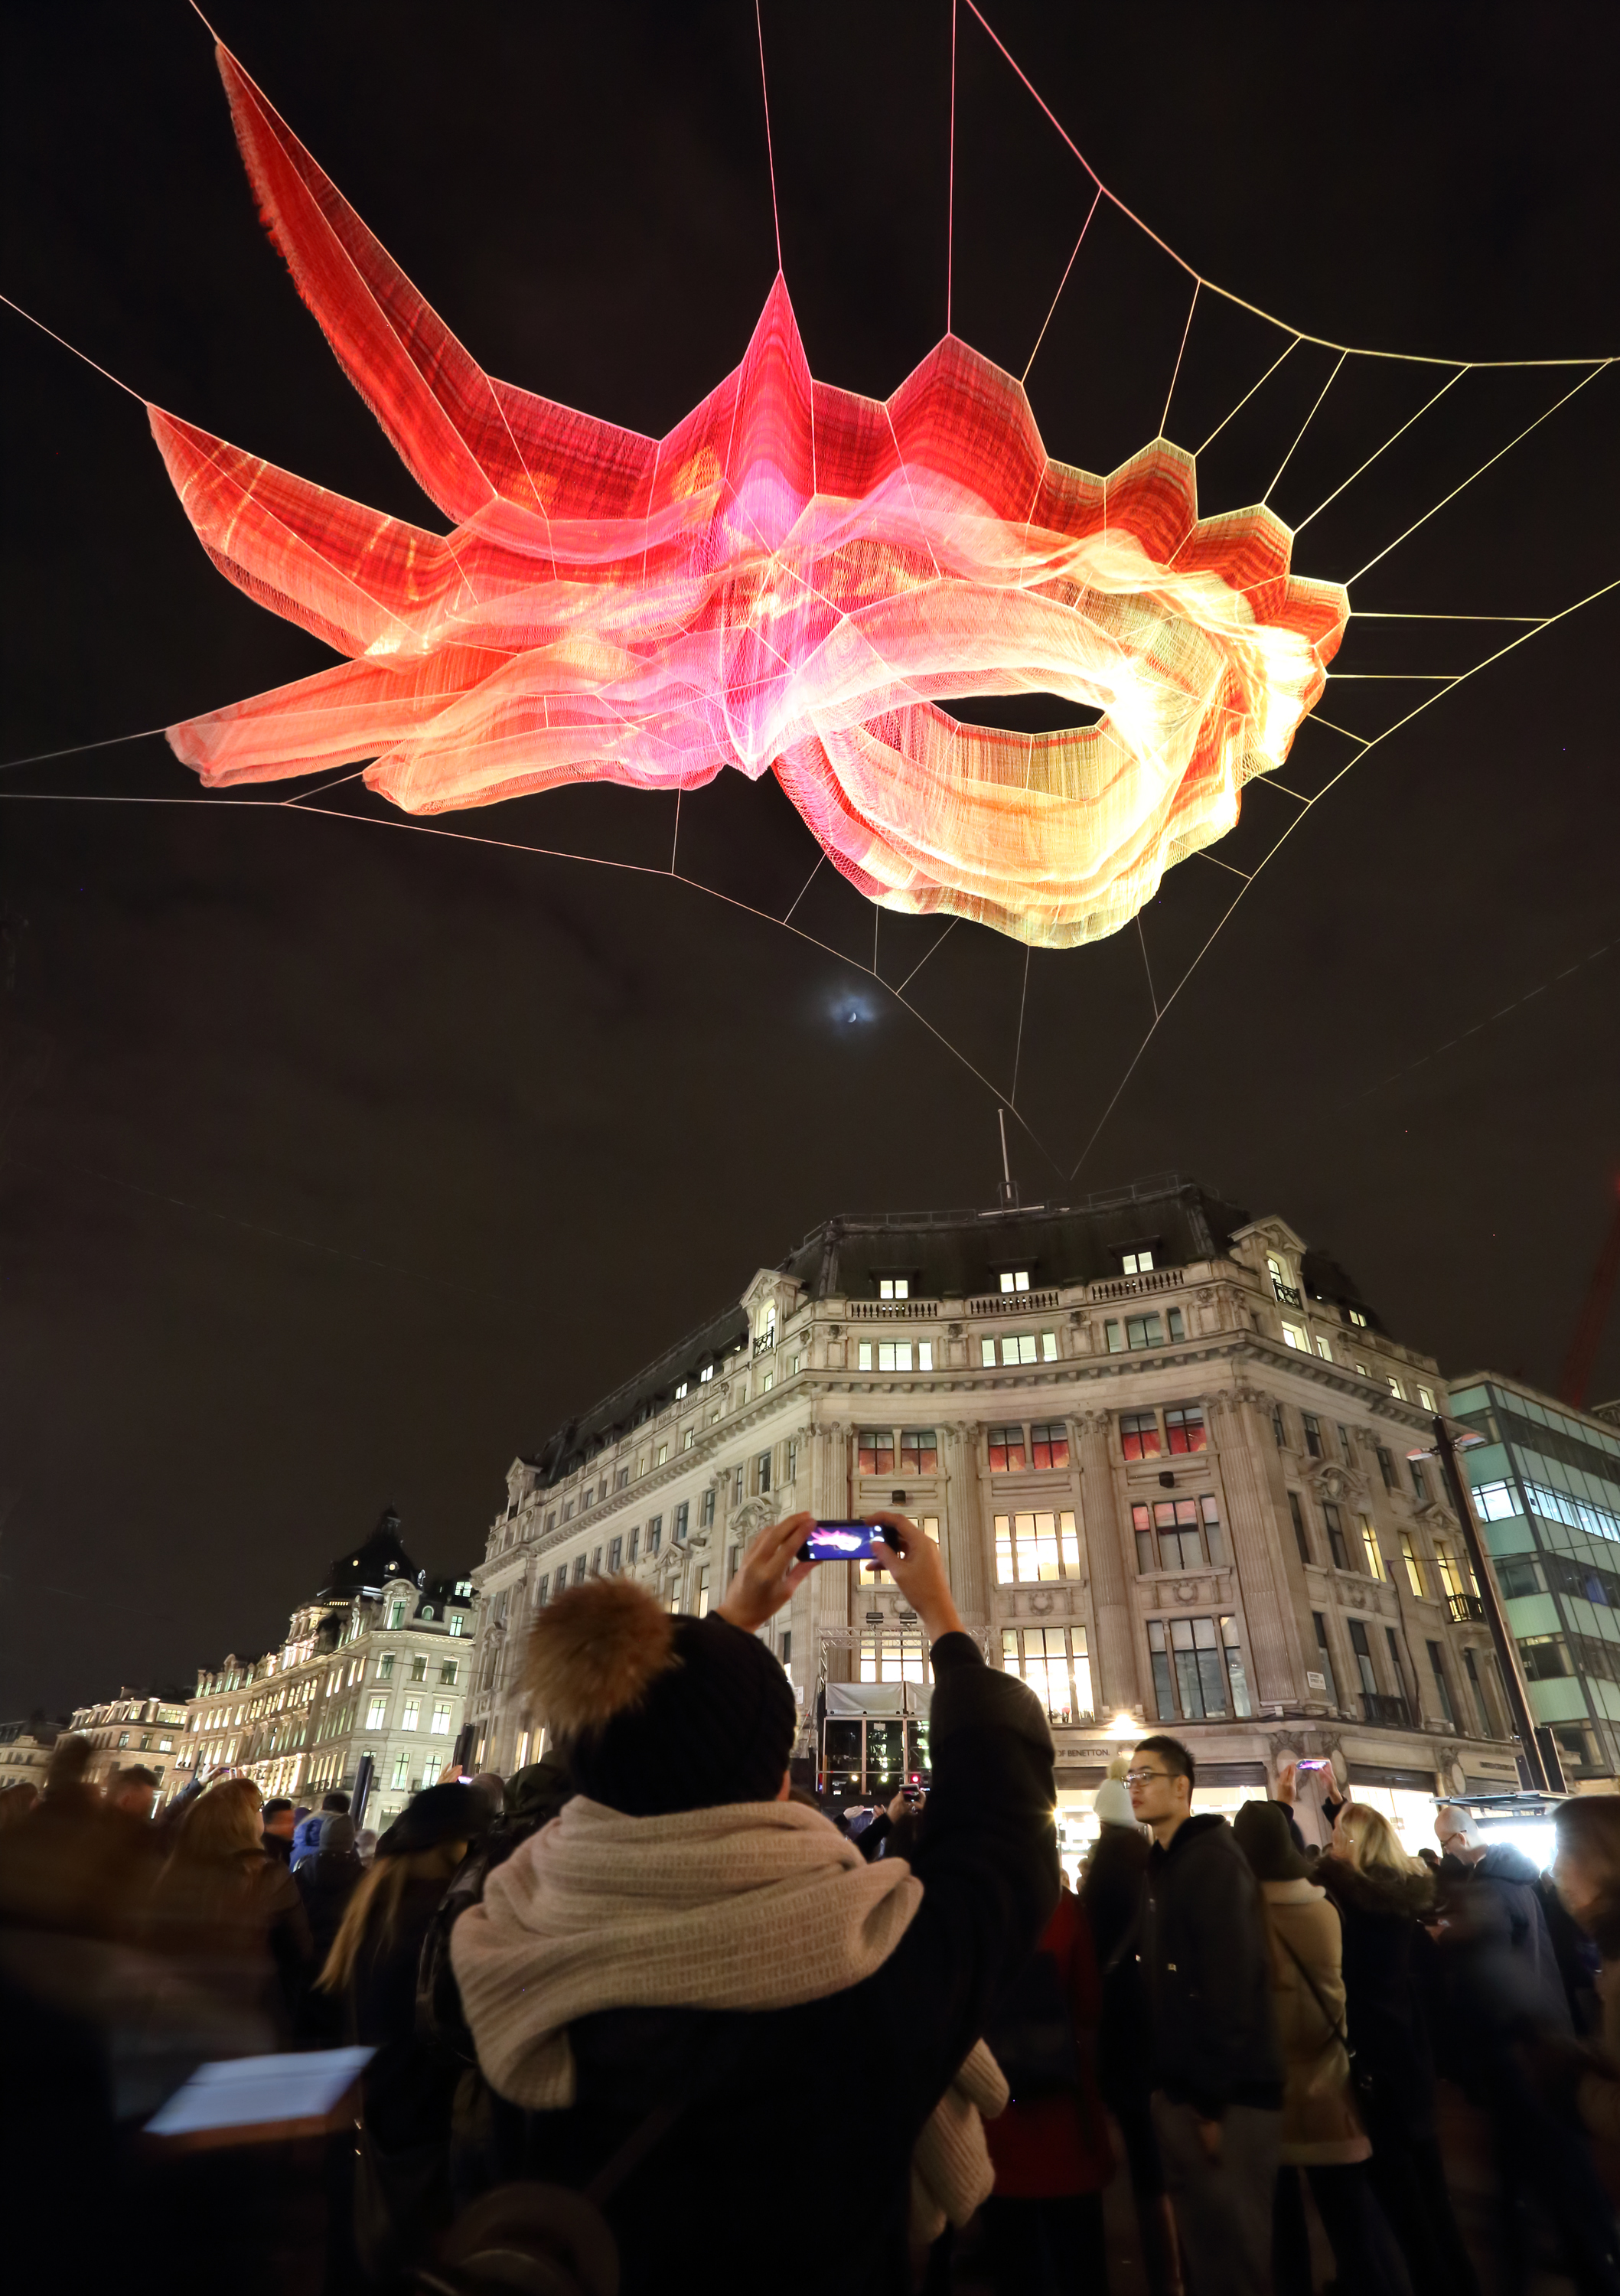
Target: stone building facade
pixel 376 1663
pixel 138 1726
pixel 25 1753
pixel 1162 1445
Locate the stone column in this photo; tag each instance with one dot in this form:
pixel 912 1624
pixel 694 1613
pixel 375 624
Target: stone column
pixel 968 1538
pixel 1254 1534
pixel 1115 1661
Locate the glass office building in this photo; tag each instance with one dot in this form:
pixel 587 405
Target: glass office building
pixel 1546 1487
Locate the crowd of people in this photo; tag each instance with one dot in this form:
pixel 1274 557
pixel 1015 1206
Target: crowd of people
pixel 652 2013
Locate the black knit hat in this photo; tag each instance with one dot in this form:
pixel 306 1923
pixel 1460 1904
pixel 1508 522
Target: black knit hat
pixel 440 1813
pixel 660 1714
pixel 1262 1828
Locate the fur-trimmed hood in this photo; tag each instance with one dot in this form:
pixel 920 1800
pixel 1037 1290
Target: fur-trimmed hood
pixel 1375 1890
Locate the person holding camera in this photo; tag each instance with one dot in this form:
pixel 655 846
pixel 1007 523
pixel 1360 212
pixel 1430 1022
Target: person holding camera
pixel 685 1957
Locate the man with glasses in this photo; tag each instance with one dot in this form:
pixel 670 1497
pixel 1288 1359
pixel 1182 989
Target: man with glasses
pixel 1217 2070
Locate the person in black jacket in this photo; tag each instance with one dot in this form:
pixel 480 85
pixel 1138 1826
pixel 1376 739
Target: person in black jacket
pixel 1217 2070
pixel 402 2189
pixel 1111 1897
pixel 853 1993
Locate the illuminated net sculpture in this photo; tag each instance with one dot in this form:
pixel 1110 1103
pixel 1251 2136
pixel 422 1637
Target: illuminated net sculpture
pixel 793 580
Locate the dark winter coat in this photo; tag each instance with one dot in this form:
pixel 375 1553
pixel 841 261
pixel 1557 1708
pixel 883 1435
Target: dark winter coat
pixel 1379 1911
pixel 1049 2146
pixel 1111 1893
pixel 1511 1879
pixel 852 2078
pixel 1207 1971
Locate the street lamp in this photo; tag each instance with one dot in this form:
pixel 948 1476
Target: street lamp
pixel 1541 1758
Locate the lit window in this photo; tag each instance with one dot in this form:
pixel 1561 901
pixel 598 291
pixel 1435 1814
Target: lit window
pixel 458 1623
pixel 767 1382
pixel 1293 1336
pixel 919 1451
pixel 411 1716
pixel 1323 1350
pixel 895 1287
pixel 440 1727
pixel 1393 1385
pixel 1357 1318
pixel 663 1454
pixel 1015 1279
pixel 689 1437
pixel 1020 1347
pixel 1184 1427
pixel 397 1612
pixel 1035 1546
pixel 987 1354
pixel 1048 1444
pixel 896 1355
pixel 700 1605
pixel 1426 1396
pixel 1137 1263
pixel 1369 1548
pixel 875 1451
pixel 401 1773
pixel 1045 1662
pixel 1139 1434
pixel 1414 1567
pixel 376 1713
pixel 680 1392
pixel 706 1374
pixel 1006 1448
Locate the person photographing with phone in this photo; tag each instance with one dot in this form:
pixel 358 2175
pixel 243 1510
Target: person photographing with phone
pixel 684 1949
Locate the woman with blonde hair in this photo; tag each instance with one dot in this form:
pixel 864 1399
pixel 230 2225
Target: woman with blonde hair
pixel 233 1914
pixel 402 2190
pixel 1382 1896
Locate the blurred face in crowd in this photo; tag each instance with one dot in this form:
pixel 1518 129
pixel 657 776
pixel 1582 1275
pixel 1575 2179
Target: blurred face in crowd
pixel 136 1800
pixel 283 1824
pixel 1158 1797
pixel 1452 1840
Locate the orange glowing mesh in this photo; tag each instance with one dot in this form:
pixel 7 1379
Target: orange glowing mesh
pixel 794 578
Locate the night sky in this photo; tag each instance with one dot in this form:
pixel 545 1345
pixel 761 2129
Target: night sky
pixel 338 1164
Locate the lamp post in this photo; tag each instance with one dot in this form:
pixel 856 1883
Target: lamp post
pixel 1446 1448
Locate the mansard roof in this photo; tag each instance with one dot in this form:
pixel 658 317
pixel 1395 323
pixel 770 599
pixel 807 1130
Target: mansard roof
pixel 368 1567
pixel 947 1255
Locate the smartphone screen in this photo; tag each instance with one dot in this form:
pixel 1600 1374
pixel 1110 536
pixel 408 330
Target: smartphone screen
pixel 839 1542
pixel 260 2093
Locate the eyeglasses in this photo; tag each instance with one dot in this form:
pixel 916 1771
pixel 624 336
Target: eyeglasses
pixel 1140 1778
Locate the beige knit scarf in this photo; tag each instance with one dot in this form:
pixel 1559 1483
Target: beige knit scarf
pixel 752 1905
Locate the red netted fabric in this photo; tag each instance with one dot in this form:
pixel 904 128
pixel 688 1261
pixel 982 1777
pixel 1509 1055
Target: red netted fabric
pixel 792 581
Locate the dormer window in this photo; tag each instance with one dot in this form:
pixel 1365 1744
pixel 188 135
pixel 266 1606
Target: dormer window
pixel 681 1391
pixel 706 1374
pixel 1015 1279
pixel 1136 1263
pixel 1282 1286
pixel 894 1287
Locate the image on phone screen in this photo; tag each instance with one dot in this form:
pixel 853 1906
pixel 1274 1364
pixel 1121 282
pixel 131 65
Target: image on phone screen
pixel 840 1542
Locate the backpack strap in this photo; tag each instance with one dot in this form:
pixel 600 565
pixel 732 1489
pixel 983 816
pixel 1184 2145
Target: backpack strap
pixel 1328 2018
